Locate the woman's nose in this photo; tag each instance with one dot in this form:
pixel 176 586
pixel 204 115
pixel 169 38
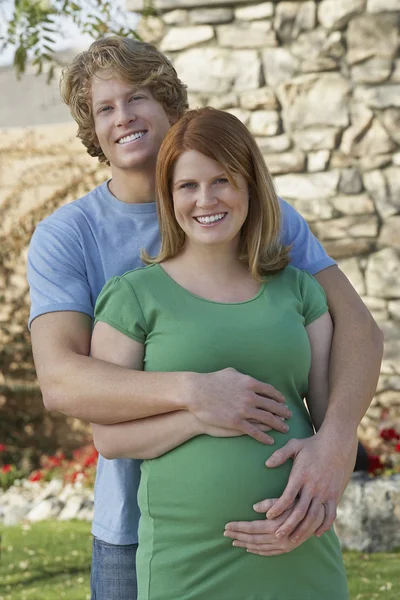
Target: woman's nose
pixel 206 198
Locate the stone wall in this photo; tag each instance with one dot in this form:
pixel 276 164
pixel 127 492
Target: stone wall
pixel 318 84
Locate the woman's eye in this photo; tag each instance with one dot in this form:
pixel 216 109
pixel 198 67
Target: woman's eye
pixel 221 180
pixel 105 109
pixel 188 185
pixel 136 97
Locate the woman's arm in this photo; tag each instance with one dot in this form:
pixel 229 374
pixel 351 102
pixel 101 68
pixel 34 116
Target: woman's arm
pixel 144 438
pixel 148 437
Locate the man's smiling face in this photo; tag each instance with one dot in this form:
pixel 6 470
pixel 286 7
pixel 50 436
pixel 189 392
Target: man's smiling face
pixel 130 124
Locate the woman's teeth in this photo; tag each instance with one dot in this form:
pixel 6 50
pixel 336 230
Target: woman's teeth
pixel 211 218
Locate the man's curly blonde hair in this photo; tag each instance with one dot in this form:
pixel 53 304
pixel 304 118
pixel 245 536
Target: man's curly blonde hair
pixel 129 60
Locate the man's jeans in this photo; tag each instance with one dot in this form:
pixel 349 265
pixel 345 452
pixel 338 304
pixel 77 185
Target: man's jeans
pixel 113 575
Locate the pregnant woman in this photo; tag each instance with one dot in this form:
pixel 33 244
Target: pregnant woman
pixel 220 294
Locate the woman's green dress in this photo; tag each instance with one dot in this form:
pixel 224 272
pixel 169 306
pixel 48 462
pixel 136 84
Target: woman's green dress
pixel 188 495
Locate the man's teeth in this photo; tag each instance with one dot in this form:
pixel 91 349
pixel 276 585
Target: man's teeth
pixel 130 138
pixel 211 218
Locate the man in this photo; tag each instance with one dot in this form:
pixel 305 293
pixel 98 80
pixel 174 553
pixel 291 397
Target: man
pixel 124 96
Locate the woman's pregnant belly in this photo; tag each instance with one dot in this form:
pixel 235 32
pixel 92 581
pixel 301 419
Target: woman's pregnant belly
pixel 215 480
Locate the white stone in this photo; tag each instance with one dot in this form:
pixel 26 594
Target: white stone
pixel 274 144
pixel 262 98
pixel 394 311
pixel 314 209
pixel 241 114
pixel 291 18
pixel 166 5
pixel 349 226
pixel 218 70
pixel 265 10
pixel 318 161
pixel 371 36
pixel 318 50
pixel 257 34
pixel 279 65
pixel 378 6
pixel 313 186
pixel 335 14
pixel 151 29
pixel 361 120
pixel 175 17
pixel 370 162
pixel 353 205
pixel 368 516
pixel 375 70
pixel 179 38
pixel 391 122
pixel 71 509
pixel 378 309
pixel 264 122
pixel 286 162
pixel 321 138
pixel 382 96
pixel 375 141
pixel 376 185
pixel 196 100
pixel 396 159
pixel 351 268
pixel 211 15
pixel 390 233
pixel 392 176
pixel 224 101
pixel 47 509
pixel 310 101
pixel 383 274
pixel 395 76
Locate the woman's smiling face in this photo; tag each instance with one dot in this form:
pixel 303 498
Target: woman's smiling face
pixel 207 207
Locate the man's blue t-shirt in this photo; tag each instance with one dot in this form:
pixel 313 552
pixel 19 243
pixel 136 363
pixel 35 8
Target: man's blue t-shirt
pixel 72 254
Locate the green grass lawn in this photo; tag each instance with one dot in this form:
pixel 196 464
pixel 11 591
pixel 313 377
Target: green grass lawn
pixel 50 561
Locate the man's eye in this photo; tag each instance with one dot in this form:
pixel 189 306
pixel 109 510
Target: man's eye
pixel 137 97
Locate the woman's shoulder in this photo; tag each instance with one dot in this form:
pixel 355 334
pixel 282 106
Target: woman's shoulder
pixel 139 275
pixel 288 274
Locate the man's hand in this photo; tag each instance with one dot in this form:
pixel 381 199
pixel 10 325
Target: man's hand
pixel 231 400
pixel 259 537
pixel 316 479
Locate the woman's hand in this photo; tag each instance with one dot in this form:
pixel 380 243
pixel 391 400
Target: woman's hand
pixel 259 537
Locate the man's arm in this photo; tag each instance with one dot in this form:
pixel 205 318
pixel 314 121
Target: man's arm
pixel 263 536
pixel 357 348
pixel 100 392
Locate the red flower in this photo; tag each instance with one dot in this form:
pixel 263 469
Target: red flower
pixel 36 476
pixel 90 460
pixel 374 464
pixel 6 468
pixel 54 461
pixel 389 434
pixel 3 447
pixel 397 447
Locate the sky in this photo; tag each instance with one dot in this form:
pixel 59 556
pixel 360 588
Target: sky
pixel 70 38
